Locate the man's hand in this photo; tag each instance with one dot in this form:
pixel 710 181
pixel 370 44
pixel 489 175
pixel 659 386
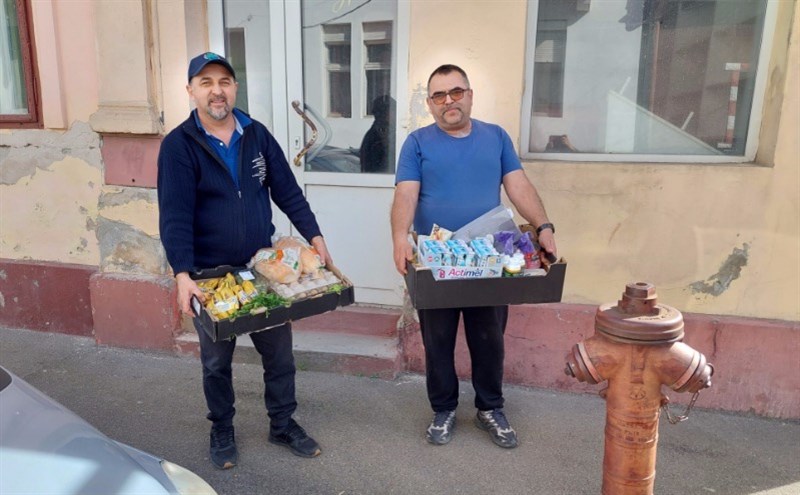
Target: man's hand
pixel 318 243
pixel 548 241
pixel 402 252
pixel 406 195
pixel 186 289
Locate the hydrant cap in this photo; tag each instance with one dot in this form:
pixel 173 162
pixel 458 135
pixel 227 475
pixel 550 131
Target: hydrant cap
pixel 639 319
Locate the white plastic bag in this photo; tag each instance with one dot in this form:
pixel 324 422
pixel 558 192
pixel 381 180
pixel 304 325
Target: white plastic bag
pixel 494 220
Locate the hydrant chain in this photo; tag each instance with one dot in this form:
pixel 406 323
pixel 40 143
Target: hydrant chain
pixel 673 420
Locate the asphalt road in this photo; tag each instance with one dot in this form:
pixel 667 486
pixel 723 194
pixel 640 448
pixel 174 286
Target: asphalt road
pixel 372 431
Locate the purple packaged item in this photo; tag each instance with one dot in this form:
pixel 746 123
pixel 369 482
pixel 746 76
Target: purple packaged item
pixel 525 243
pixel 504 242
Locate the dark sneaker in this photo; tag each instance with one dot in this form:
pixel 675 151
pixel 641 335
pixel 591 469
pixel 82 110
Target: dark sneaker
pixel 223 447
pixel 296 438
pixel 441 428
pixel 494 421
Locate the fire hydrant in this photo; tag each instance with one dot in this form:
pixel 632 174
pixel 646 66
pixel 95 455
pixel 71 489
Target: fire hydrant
pixel 637 347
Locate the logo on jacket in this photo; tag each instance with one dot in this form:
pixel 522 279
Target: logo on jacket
pixel 260 168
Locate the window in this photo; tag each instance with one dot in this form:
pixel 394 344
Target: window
pixel 237 56
pixel 663 78
pixel 548 59
pixel 18 88
pixel 337 46
pixel 377 61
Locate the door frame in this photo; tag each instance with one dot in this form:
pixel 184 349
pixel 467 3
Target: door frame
pixel 286 62
pixel 286 41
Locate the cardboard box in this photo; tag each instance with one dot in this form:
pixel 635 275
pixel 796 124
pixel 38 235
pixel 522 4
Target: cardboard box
pixel 301 308
pixel 426 292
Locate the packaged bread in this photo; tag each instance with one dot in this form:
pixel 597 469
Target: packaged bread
pixel 310 260
pixel 281 266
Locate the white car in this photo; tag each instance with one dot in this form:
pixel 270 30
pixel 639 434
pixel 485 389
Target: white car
pixel 45 449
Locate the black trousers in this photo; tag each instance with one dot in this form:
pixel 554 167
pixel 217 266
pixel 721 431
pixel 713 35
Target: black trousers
pixel 484 328
pixel 275 347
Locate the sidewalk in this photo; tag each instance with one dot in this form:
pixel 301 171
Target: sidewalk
pixel 372 431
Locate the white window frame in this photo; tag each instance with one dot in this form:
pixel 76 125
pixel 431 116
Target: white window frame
pixel 337 39
pixel 770 20
pixel 370 37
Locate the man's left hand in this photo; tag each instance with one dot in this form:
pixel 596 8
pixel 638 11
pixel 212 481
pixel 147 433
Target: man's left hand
pixel 318 243
pixel 548 241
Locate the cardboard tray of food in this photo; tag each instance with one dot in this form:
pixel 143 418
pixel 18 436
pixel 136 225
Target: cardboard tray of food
pixel 426 292
pixel 297 309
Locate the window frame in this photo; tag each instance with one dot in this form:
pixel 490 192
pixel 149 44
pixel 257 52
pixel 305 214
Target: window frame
pixel 337 38
pixel 371 37
pixel 32 119
pixel 754 126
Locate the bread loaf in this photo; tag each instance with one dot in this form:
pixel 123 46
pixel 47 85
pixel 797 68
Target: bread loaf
pixel 281 266
pixel 310 260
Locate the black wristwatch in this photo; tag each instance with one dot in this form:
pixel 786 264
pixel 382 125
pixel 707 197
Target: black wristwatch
pixel 543 226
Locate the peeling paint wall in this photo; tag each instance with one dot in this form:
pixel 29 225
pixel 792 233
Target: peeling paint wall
pixel 714 239
pixel 128 232
pixel 717 239
pixel 721 281
pixel 49 185
pixel 54 207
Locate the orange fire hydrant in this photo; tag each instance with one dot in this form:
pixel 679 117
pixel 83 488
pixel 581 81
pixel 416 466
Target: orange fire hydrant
pixel 637 347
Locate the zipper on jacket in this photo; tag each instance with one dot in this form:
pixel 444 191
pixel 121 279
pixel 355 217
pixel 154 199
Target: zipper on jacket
pixel 195 134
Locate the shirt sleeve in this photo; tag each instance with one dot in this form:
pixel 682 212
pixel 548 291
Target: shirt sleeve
pixel 409 165
pixel 509 160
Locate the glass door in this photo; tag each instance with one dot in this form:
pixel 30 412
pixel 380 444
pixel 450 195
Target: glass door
pixel 322 75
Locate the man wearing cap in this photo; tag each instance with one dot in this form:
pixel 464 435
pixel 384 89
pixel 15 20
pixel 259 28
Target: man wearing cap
pixel 216 174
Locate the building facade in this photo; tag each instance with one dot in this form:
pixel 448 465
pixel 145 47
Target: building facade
pixel 663 136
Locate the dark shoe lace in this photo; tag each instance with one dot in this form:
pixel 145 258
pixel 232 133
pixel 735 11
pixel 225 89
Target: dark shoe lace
pixel 296 438
pixel 440 418
pixel 295 431
pixel 500 418
pixel 221 437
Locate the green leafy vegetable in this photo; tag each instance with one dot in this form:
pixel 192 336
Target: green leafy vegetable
pixel 268 300
pixel 337 288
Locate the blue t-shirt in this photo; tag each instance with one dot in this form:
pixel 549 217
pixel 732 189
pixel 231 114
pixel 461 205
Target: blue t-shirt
pixel 459 178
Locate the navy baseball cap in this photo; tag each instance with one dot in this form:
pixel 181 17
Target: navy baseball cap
pixel 199 62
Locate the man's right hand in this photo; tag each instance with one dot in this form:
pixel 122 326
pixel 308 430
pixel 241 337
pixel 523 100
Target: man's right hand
pixel 186 289
pixel 404 205
pixel 402 252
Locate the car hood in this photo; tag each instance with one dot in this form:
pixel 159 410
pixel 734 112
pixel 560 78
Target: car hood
pixel 47 449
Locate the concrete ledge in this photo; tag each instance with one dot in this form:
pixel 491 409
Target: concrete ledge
pixel 52 297
pixel 350 354
pixel 361 320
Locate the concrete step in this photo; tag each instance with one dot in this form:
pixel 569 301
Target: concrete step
pixel 360 320
pixel 353 340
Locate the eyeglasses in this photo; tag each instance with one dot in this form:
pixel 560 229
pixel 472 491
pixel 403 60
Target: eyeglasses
pixel 455 94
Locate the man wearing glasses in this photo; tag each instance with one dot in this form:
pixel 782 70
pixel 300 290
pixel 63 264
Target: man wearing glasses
pixel 450 173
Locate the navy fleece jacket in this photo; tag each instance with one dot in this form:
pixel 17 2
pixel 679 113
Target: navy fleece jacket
pixel 204 220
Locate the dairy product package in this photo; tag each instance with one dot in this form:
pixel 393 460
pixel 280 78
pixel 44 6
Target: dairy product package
pixel 461 253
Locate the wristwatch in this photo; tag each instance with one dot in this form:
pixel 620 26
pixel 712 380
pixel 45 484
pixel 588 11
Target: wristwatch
pixel 543 226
